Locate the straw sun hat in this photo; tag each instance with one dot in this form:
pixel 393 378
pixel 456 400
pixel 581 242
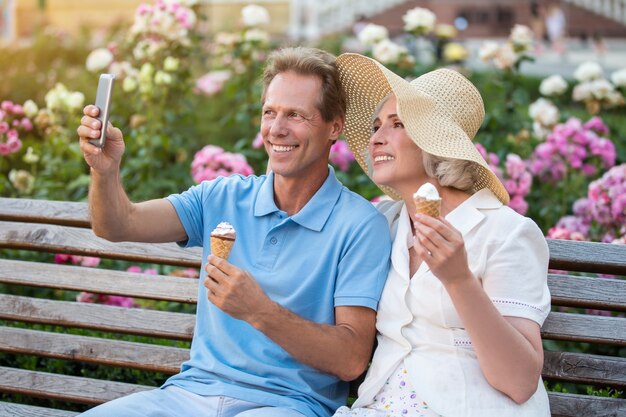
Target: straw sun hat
pixel 441 111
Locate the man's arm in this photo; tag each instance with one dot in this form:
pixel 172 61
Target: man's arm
pixel 343 349
pixel 113 215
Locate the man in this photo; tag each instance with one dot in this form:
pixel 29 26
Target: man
pixel 292 313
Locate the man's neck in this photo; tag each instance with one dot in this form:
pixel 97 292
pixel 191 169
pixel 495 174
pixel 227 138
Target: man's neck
pixel 292 194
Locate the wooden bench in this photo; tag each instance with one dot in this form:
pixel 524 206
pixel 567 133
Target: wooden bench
pixel 43 328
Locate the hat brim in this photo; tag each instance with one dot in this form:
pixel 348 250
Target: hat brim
pixel 430 125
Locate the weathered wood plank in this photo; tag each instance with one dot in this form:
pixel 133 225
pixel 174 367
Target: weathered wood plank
pixel 64 387
pixel 585 368
pixel 42 211
pixel 22 410
pixel 570 255
pixel 102 281
pixel 98 317
pixel 573 405
pixel 588 292
pixel 147 357
pixel 63 239
pixel 585 328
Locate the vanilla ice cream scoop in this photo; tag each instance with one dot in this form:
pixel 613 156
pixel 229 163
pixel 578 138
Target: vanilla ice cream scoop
pixel 427 191
pixel 427 200
pixel 222 239
pixel 225 230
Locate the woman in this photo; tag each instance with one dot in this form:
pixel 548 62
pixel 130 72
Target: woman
pixel 459 319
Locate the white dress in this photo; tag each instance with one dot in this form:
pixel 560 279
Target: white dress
pixel 419 328
pixel 396 398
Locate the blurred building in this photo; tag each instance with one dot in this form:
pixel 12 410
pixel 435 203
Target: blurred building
pixel 494 18
pixel 311 19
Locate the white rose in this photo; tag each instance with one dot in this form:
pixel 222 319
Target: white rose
pixel 22 180
pixel 256 35
pixel 554 85
pixel 488 51
pixel 619 78
pixel 445 31
pixel 129 84
pixel 601 88
pixel 372 34
pixel 30 108
pixel 171 64
pixel 540 130
pixel 99 59
pixel 254 15
pixel 588 71
pixel 419 19
pixel 226 39
pixel 162 78
pixel 544 112
pixel 30 157
pixel 388 52
pixel 521 37
pixel 56 97
pixel 614 99
pixel 505 57
pixel 75 100
pixel 582 92
pixel 146 70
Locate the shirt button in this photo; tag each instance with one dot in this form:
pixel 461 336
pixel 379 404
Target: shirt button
pixel 273 241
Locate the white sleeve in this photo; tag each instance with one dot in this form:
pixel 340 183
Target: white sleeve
pixel 516 273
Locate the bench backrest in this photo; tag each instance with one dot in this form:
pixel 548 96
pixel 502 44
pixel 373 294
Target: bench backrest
pixel 54 323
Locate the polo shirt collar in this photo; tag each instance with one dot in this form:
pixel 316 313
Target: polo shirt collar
pixel 315 213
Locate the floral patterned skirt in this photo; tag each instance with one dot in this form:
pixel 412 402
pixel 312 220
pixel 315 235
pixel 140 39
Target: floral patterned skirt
pixel 396 398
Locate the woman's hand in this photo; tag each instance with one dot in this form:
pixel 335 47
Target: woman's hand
pixel 441 246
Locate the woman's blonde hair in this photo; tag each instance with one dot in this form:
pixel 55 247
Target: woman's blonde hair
pixel 455 173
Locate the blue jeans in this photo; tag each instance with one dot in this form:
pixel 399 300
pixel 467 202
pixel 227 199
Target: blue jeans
pixel 177 402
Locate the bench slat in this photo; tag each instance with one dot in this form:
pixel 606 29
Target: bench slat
pixel 22 410
pixel 574 405
pixel 585 328
pixel 585 368
pixel 63 239
pixel 570 255
pixel 135 321
pixel 41 211
pixel 64 387
pixel 96 350
pixel 102 281
pixel 587 292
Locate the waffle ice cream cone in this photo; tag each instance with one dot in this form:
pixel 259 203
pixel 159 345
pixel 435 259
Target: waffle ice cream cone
pixel 222 240
pixel 427 200
pixel 429 207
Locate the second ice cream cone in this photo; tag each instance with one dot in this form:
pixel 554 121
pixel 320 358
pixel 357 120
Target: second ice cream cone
pixel 221 246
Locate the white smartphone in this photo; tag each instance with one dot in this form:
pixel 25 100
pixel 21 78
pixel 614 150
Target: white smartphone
pixel 103 102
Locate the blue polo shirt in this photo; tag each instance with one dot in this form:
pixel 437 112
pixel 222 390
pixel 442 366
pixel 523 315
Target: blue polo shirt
pixel 333 252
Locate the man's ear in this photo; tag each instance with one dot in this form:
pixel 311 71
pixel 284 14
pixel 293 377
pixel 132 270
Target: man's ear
pixel 337 128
